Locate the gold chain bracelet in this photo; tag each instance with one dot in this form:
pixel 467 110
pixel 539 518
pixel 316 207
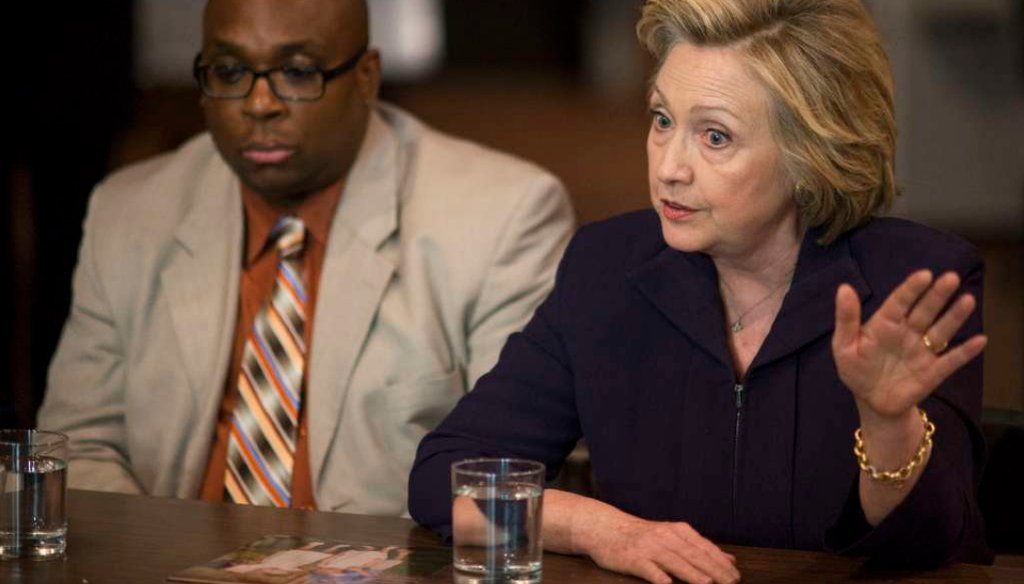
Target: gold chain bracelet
pixel 903 473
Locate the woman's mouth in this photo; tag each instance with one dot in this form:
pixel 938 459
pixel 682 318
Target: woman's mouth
pixel 675 211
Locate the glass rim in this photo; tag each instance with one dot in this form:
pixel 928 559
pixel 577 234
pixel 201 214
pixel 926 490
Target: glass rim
pixel 534 467
pixel 54 438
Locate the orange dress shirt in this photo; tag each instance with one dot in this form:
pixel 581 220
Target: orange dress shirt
pixel 259 271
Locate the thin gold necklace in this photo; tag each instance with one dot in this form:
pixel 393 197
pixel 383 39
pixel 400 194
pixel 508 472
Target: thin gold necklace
pixel 737 325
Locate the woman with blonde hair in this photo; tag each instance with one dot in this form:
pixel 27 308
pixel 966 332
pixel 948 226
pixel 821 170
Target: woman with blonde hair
pixel 724 353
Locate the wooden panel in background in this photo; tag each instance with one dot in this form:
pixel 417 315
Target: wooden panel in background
pixel 1003 308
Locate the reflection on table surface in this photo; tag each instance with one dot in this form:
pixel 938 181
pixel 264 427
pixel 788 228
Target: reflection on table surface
pixel 124 538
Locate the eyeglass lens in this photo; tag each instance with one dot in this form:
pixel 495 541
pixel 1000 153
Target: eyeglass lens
pixel 235 81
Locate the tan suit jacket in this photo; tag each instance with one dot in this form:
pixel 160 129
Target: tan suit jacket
pixel 438 251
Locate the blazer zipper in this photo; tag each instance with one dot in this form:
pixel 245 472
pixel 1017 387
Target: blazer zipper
pixel 738 389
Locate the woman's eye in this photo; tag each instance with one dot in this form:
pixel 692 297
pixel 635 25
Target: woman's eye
pixel 717 139
pixel 661 121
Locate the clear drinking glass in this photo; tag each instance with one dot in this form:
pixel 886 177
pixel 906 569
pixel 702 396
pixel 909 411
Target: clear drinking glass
pixel 496 520
pixel 33 488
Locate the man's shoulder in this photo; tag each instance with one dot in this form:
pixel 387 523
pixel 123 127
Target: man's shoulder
pixel 461 167
pixel 461 194
pixel 190 156
pixel 160 187
pixel 141 206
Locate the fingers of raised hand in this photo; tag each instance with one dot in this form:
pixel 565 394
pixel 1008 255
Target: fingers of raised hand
pixel 905 296
pixel 847 317
pixel 941 331
pixel 957 357
pixel 927 309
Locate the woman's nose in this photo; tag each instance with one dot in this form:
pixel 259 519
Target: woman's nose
pixel 674 165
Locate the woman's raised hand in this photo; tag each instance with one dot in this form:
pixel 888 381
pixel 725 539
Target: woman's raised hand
pixel 901 354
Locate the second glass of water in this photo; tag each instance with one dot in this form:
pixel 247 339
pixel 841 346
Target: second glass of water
pixel 496 520
pixel 33 487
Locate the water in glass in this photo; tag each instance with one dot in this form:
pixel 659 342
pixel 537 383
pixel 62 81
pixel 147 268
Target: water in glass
pixel 511 512
pixel 33 517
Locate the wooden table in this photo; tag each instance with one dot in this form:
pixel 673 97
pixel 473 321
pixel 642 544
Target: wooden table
pixel 121 539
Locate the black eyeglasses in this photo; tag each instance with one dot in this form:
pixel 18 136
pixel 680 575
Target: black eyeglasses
pixel 288 82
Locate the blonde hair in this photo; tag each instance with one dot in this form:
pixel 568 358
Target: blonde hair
pixel 828 76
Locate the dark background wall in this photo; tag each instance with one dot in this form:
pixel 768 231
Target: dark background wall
pixel 68 79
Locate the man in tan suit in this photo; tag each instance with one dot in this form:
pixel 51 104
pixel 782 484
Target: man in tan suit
pixel 279 310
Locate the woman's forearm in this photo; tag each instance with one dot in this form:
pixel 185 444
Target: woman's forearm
pixel 570 521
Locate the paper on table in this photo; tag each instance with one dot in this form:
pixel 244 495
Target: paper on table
pixel 281 559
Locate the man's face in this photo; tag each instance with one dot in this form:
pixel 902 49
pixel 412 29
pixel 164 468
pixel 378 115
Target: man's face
pixel 286 150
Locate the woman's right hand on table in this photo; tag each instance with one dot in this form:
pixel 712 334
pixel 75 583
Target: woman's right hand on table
pixel 656 551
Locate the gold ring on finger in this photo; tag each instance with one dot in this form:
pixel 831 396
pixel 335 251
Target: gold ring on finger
pixel 932 345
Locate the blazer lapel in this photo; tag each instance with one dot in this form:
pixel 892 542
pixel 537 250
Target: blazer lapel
pixel 354 278
pixel 684 287
pixel 808 310
pixel 201 283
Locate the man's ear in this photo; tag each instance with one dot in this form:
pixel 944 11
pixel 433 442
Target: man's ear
pixel 368 75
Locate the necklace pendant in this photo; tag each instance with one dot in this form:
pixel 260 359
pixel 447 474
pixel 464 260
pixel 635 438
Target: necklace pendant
pixel 737 326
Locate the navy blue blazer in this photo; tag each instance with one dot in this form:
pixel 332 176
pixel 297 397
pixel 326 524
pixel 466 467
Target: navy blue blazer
pixel 629 352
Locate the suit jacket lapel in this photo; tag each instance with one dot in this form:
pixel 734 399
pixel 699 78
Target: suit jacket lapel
pixel 354 277
pixel 808 310
pixel 201 283
pixel 684 287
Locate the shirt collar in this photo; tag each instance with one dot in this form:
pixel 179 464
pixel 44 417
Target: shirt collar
pixel 316 212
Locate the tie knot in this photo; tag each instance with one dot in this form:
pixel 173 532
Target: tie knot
pixel 289 234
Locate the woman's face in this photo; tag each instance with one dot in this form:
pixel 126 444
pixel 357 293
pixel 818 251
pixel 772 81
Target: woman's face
pixel 715 171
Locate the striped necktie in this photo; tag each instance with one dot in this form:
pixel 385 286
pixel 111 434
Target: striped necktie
pixel 265 421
